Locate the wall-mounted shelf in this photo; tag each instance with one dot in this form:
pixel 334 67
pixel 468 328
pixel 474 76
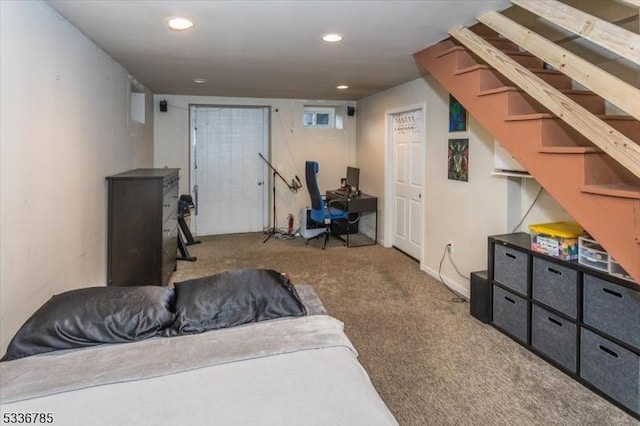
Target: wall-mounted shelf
pixel 505 173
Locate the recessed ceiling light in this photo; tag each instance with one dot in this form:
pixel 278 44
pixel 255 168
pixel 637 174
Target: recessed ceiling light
pixel 342 87
pixel 199 80
pixel 332 38
pixel 179 24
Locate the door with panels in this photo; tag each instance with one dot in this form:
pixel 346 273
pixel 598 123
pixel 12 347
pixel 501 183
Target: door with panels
pixel 228 178
pixel 408 169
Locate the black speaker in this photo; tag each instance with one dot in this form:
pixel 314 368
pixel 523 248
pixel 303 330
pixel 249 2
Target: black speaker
pixel 480 296
pixel 163 106
pixel 351 111
pixel 339 226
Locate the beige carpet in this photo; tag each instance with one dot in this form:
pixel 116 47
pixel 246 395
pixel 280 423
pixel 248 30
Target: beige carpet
pixel 432 363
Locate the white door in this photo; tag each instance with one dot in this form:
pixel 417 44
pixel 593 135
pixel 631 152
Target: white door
pixel 227 175
pixel 407 142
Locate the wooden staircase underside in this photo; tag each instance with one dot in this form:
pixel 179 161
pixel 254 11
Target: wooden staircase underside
pixel 574 162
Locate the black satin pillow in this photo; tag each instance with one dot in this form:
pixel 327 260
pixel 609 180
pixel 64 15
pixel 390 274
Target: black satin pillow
pixel 92 316
pixel 233 298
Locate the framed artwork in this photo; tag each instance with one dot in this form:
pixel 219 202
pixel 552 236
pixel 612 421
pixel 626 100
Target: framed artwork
pixel 458 161
pixel 457 116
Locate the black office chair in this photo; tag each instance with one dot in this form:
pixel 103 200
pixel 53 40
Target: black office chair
pixel 321 211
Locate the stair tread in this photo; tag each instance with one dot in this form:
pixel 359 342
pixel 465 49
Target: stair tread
pixel 489 67
pixel 517 89
pixel 498 90
pixel 506 52
pixel 569 150
pixel 450 50
pixel 623 190
pixel 472 68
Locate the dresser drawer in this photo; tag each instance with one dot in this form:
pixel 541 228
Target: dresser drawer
pixel 510 268
pixel 169 248
pixel 170 204
pixel 555 286
pixel 612 309
pixel 611 368
pixel 554 336
pixel 170 232
pixel 169 182
pixel 510 313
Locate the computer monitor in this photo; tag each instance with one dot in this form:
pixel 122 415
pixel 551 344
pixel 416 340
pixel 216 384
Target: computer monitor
pixel 353 178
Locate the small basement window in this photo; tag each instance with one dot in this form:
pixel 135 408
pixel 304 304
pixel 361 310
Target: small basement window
pixel 321 117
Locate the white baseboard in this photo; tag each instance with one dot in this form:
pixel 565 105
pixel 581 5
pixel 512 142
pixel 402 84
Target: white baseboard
pixel 371 233
pixel 456 287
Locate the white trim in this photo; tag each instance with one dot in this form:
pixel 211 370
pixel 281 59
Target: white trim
pixel 452 285
pixel 388 178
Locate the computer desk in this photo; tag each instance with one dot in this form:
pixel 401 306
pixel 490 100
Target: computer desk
pixel 359 204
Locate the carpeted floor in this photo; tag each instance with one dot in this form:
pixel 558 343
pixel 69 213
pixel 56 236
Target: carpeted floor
pixel 432 363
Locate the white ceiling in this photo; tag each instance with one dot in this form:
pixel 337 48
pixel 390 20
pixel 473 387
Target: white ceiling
pixel 271 49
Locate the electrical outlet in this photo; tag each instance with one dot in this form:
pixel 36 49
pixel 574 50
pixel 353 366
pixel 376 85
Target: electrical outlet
pixel 450 246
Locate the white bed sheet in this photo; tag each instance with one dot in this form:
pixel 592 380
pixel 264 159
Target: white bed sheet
pixel 291 371
pixel 311 387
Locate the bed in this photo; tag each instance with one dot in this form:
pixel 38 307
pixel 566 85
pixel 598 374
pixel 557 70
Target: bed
pixel 289 370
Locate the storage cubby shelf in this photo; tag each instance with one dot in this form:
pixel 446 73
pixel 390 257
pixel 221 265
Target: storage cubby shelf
pixel 581 320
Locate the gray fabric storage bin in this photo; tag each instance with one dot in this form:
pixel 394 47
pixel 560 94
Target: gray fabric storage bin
pixel 611 368
pixel 510 313
pixel 555 286
pixel 613 309
pixel 510 268
pixel 555 337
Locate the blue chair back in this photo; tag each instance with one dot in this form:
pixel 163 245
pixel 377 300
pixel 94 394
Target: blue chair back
pixel 317 205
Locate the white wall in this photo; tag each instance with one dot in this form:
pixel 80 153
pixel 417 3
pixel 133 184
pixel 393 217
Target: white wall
pixel 291 144
pixel 546 208
pixel 63 127
pixel 464 212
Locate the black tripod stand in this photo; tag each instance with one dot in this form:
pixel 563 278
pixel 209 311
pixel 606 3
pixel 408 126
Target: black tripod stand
pixel 293 187
pixel 185 204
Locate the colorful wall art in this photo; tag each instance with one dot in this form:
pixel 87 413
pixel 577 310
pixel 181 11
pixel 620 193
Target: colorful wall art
pixel 458 162
pixel 457 116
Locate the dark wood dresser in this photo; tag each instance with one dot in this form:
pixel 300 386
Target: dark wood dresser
pixel 142 231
